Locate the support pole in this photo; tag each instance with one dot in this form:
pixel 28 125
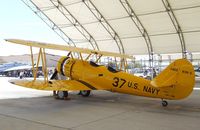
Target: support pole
pixel 177 26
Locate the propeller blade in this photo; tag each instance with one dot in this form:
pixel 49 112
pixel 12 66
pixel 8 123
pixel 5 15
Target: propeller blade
pixel 69 54
pixel 54 75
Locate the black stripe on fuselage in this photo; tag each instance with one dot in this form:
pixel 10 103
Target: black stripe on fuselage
pixel 87 84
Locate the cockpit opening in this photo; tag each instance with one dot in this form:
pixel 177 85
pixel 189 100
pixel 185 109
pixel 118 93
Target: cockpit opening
pixel 94 64
pixel 111 69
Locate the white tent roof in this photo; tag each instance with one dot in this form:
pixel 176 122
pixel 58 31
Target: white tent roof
pixel 172 26
pixel 19 68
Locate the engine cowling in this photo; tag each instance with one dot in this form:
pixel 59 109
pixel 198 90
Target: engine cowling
pixel 64 66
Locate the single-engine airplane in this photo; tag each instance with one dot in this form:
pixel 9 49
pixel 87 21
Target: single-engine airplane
pixel 173 83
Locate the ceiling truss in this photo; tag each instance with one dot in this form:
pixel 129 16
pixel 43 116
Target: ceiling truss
pixel 105 24
pixel 139 26
pixel 66 13
pixel 49 22
pixel 176 26
pixel 111 33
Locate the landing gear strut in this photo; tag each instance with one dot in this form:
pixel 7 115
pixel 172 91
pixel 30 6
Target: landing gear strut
pixel 164 103
pixel 59 94
pixel 85 93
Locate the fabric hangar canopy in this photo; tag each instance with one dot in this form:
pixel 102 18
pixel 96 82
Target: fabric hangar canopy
pixel 134 27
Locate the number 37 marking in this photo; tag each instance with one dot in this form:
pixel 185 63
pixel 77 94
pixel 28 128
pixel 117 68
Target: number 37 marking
pixel 118 82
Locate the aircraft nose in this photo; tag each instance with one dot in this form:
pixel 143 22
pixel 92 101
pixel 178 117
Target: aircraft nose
pixel 60 65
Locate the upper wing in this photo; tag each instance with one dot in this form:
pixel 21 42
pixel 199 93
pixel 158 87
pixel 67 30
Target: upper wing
pixel 66 48
pixel 62 85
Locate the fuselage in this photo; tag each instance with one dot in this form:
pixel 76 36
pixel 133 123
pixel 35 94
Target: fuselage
pixel 114 81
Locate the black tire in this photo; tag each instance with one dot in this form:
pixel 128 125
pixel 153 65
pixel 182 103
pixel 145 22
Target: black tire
pixel 164 103
pixel 85 93
pixel 62 94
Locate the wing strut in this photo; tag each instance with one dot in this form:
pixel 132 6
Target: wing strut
pixel 44 64
pixel 33 69
pixel 41 55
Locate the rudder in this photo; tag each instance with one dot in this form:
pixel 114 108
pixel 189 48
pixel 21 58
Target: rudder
pixel 180 75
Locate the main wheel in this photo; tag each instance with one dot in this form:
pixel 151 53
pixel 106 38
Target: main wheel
pixel 164 103
pixel 62 94
pixel 85 93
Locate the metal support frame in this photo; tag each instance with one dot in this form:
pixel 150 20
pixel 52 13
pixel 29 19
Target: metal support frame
pixel 159 63
pixel 67 14
pixel 174 9
pixel 190 57
pixel 105 24
pixel 140 27
pixel 170 59
pixel 48 21
pixel 176 24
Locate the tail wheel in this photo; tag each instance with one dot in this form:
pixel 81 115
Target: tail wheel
pixel 164 103
pixel 85 93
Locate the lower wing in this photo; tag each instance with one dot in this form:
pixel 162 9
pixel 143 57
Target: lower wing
pixel 62 85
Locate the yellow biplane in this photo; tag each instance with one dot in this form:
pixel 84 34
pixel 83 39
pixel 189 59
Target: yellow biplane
pixel 173 83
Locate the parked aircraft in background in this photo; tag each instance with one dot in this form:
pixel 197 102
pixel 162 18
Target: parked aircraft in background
pixel 197 72
pixel 6 66
pixel 173 83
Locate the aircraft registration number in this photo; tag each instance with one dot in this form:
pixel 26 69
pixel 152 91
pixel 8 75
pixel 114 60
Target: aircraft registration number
pixel 120 82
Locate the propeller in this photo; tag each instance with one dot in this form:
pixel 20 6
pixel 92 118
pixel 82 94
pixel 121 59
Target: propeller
pixel 55 74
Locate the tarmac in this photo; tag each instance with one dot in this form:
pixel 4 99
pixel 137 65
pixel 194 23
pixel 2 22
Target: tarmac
pixel 26 109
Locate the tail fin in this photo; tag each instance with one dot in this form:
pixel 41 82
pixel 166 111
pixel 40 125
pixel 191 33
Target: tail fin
pixel 180 75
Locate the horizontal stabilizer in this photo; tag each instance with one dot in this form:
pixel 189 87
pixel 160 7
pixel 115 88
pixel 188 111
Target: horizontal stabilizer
pixel 166 83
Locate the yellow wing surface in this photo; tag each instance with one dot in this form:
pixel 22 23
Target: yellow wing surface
pixel 66 48
pixel 62 85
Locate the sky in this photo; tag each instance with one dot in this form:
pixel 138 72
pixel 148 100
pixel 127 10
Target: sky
pixel 19 21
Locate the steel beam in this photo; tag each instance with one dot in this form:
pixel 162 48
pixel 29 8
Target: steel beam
pixel 48 21
pixel 146 14
pixel 177 26
pixel 174 9
pixel 190 57
pixel 101 19
pixel 140 27
pixel 67 14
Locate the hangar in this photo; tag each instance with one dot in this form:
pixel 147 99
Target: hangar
pixel 133 27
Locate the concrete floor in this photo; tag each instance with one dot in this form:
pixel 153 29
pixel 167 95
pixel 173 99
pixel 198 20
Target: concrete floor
pixel 102 111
